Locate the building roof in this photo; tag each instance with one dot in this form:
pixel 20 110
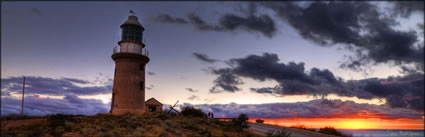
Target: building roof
pixel 152 101
pixel 132 20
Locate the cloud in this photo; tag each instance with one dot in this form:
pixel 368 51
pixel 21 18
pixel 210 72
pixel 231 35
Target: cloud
pixel 406 8
pixel 293 79
pixel 51 86
pixel 251 23
pixel 263 90
pixel 226 81
pixel 70 104
pixel 5 93
pixel 37 11
pixel 204 58
pixel 292 76
pixel 150 87
pixel 320 108
pixel 194 97
pixel 209 100
pixel 191 90
pixel 165 18
pixel 397 89
pixel 359 26
pixel 151 73
pixel 229 22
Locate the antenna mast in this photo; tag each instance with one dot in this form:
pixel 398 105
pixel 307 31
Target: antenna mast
pixel 23 93
pixel 132 12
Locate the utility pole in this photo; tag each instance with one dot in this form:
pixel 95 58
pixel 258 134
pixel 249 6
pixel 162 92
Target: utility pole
pixel 23 93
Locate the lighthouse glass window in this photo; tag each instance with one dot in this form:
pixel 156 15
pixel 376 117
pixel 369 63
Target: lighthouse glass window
pixel 132 33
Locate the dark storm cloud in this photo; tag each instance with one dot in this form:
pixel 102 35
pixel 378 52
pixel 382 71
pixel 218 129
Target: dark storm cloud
pixel 5 93
pixel 405 8
pixel 226 81
pixel 268 90
pixel 200 24
pixel 193 97
pixel 204 58
pixel 358 25
pixel 315 108
pixel 165 18
pixel 293 79
pixel 70 104
pixel 150 87
pixel 291 76
pixel 191 90
pixel 263 23
pixel 51 86
pixel 406 92
pixel 229 22
pixel 37 11
pixel 79 81
pixel 151 73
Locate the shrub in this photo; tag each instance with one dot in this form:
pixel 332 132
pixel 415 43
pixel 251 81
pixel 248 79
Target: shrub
pixel 138 132
pixel 259 121
pixel 332 131
pixel 281 133
pixel 57 120
pixel 34 129
pixel 192 112
pixel 163 116
pixel 16 117
pixel 154 131
pixel 240 122
pixel 303 127
pixel 58 131
pixel 215 132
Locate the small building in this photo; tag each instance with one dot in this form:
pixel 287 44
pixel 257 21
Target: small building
pixel 153 105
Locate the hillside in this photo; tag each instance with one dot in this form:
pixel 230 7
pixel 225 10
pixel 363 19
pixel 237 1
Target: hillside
pixel 103 125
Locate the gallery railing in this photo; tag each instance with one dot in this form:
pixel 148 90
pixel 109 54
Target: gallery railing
pixel 131 49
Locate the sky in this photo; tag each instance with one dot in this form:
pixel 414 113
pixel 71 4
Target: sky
pixel 274 60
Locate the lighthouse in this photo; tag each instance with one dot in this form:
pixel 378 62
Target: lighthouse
pixel 131 57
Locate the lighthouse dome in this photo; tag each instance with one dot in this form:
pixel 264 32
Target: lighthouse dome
pixel 132 20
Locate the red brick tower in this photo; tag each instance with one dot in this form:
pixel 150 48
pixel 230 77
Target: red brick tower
pixel 128 92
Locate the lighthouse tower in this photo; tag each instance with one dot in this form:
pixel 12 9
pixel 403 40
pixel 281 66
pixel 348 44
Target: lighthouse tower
pixel 128 92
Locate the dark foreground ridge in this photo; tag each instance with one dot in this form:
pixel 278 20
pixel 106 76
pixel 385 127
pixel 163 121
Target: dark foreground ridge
pixel 160 124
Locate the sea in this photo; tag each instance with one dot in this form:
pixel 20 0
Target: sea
pixel 384 133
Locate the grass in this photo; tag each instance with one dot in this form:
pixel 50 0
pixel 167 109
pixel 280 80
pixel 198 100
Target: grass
pixel 325 130
pixel 103 125
pixel 303 127
pixel 332 131
pixel 281 133
pixel 18 117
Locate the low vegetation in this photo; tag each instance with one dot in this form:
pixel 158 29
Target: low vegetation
pixel 303 127
pixel 281 133
pixel 18 117
pixel 259 121
pixel 190 122
pixel 192 112
pixel 333 131
pixel 240 123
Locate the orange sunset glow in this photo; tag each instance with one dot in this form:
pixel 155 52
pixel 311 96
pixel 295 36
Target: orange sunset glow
pixel 349 123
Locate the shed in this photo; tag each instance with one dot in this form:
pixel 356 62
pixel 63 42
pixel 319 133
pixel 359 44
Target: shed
pixel 153 105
